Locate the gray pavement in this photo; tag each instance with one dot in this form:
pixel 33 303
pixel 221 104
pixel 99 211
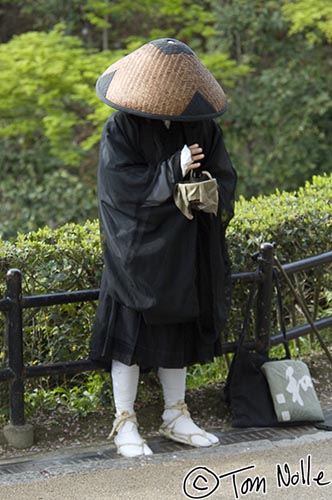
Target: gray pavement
pixel 276 466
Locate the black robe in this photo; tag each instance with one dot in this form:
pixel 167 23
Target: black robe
pixel 165 291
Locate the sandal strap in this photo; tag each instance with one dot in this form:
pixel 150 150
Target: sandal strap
pixel 183 412
pixel 120 420
pixel 184 438
pixel 140 444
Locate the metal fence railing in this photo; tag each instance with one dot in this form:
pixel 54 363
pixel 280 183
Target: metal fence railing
pixel 13 304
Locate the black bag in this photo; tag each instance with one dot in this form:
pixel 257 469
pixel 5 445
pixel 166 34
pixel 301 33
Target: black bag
pixel 246 390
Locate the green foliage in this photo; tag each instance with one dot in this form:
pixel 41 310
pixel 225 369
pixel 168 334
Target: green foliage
pixel 280 142
pixel 61 260
pixel 278 122
pixel 50 125
pixel 210 373
pixel 248 30
pixel 314 17
pixel 300 222
pixel 301 225
pixel 44 14
pixel 47 92
pixel 67 258
pixel 226 70
pixel 80 398
pixel 37 190
pixel 151 19
pixel 118 23
pixel 278 86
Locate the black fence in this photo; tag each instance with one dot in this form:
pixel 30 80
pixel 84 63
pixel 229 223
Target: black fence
pixel 14 303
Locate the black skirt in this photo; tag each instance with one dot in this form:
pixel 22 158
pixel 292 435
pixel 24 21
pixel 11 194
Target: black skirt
pixel 132 341
pixel 129 339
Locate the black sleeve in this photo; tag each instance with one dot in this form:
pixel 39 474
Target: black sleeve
pixel 146 267
pixel 124 175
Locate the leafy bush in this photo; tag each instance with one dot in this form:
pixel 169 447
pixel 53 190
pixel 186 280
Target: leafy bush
pixel 299 222
pixel 65 259
pixel 80 398
pixel 37 190
pixel 47 85
pixel 69 258
pixel 278 123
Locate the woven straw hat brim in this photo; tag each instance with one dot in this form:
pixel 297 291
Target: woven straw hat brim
pixel 163 79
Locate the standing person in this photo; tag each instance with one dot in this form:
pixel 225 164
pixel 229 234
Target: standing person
pixel 165 291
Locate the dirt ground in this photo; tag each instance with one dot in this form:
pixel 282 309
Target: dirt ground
pixel 62 429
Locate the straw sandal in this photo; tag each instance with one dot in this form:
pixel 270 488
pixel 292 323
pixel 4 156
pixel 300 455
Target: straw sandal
pixel 167 429
pixel 142 447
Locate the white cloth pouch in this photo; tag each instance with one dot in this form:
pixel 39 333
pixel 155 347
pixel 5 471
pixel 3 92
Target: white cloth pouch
pixel 292 390
pixel 197 194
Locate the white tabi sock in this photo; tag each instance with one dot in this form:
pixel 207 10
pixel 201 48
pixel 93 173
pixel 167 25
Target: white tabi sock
pixel 128 441
pixel 178 424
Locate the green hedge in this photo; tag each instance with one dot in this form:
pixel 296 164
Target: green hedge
pixel 299 222
pixel 69 258
pixel 64 259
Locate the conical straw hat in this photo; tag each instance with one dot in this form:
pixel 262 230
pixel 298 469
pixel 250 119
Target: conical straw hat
pixel 163 79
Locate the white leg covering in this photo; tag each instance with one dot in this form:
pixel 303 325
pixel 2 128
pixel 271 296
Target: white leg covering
pixel 178 424
pixel 125 383
pixel 173 381
pixel 128 441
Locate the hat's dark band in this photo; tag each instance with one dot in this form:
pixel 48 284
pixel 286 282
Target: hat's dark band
pixel 174 118
pixel 191 113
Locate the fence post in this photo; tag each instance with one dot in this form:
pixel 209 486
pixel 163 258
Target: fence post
pixel 264 297
pixel 17 433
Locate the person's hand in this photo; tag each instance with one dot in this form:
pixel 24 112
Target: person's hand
pixel 196 155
